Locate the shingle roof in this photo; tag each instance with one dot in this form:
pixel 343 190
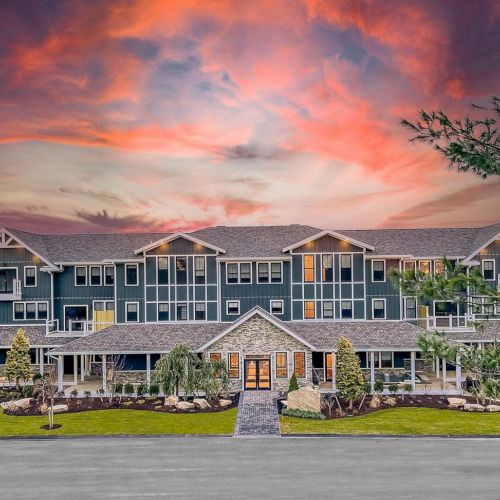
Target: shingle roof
pixel 36 336
pixel 260 241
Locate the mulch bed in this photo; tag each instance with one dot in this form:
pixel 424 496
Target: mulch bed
pixel 76 405
pixel 413 401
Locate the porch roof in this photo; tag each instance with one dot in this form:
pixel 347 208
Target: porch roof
pixel 36 335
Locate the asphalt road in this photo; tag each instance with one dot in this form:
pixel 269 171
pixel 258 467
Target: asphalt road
pixel 343 468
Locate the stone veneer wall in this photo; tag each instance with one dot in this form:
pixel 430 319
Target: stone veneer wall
pixel 259 336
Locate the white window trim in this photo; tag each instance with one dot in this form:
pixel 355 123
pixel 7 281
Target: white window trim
pixel 494 270
pixel 137 269
pixel 323 309
pixel 385 272
pixel 282 307
pixel 182 303
pixel 227 308
pixel 86 275
pixel 351 260
pixel 420 262
pixel 239 273
pixel 276 365
pixel 380 299
pixel 204 259
pixel 305 364
pixel 104 275
pixel 90 275
pixel 158 311
pixel 322 255
pixel 313 255
pixel 414 262
pixel 194 310
pixel 36 277
pixel 36 302
pixel 352 309
pixel 304 309
pixel 405 300
pixel 104 301
pixel 75 305
pixel 138 312
pixel 269 273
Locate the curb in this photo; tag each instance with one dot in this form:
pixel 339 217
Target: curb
pixel 394 436
pixel 113 436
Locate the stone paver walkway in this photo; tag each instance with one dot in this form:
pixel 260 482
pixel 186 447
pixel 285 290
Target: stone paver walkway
pixel 257 415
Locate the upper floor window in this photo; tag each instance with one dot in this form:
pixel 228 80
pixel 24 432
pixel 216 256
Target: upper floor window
pixel 269 272
pixel 346 309
pixel 309 312
pixel 425 267
pixel 95 275
pixel 182 312
pixel 378 270
pixel 378 306
pixel 18 310
pixel 80 276
pixel 233 307
pixel 199 270
pixel 30 276
pixel 488 269
pixel 245 272
pixel 163 270
pixel 131 274
pixel 276 272
pixel 131 312
pixel 163 311
pixel 7 277
pixel 232 273
pixel 276 307
pixel 308 268
pixel 328 309
pixel 181 270
pixel 109 275
pixel 263 272
pixel 42 310
pixel 103 305
pixel 30 310
pixel 200 313
pixel 345 267
pixel 239 272
pixel 327 268
pixel 410 307
pixel 410 265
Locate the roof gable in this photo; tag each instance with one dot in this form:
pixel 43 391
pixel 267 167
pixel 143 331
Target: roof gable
pixel 333 234
pixel 176 236
pixel 10 239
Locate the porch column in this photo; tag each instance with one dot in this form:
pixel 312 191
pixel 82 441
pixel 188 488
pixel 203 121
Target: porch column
pixel 82 368
pixel 412 369
pixel 60 370
pixel 104 374
pixel 75 369
pixel 372 370
pixel 458 375
pixel 42 361
pixel 334 371
pixel 436 367
pixel 148 369
pixel 444 371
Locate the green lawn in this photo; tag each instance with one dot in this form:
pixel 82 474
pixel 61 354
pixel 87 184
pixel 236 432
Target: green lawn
pixel 399 421
pixel 121 422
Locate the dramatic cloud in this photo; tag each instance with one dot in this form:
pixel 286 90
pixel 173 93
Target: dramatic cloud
pixel 153 115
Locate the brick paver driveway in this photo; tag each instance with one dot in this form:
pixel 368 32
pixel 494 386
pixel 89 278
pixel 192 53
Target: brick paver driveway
pixel 258 415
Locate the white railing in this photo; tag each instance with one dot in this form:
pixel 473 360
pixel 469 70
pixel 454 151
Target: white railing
pixel 52 326
pixel 445 323
pixel 15 293
pixel 84 327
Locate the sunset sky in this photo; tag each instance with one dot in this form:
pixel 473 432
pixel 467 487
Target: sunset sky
pixel 174 115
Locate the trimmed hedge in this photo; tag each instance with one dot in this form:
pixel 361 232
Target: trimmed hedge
pixel 292 412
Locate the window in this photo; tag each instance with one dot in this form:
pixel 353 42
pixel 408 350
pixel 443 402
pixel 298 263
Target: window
pixel 233 361
pixel 345 268
pixel 215 356
pixel 42 310
pixel 410 307
pixel 281 365
pixel 327 268
pixel 199 311
pixel 410 265
pixel 80 276
pixel 245 272
pixel 263 272
pixel 438 267
pixel 131 312
pixel 276 272
pixel 95 275
pixel 199 270
pixel 232 273
pixel 308 268
pixel 182 312
pixel 488 306
pixel 233 307
pixel 30 276
pixel 488 269
pixel 162 270
pixel 346 309
pixel 276 307
pixel 378 270
pixel 109 275
pixel 163 311
pixel 299 364
pixel 30 310
pixel 328 309
pixel 378 306
pixel 19 310
pixel 386 359
pixel 103 305
pixel 131 274
pixel 477 305
pixel 181 270
pixel 7 277
pixel 309 312
pixel 425 267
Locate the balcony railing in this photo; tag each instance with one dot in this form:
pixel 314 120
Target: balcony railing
pixel 12 293
pixel 444 323
pixel 85 327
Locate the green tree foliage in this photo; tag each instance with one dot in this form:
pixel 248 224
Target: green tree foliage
pixel 468 144
pixel 212 378
pixel 350 380
pixel 293 384
pixel 17 366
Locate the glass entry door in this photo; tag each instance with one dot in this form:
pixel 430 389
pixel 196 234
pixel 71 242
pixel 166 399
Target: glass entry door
pixel 257 374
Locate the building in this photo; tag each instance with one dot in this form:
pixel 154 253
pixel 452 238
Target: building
pixel 270 300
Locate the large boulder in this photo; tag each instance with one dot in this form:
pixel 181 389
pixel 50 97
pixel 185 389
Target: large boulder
pixel 473 407
pixel 171 400
pixel 456 402
pixel 375 402
pixel 305 399
pixel 60 408
pixel 20 404
pixel 201 403
pixel 225 402
pixel 184 405
pixel 493 408
pixel 390 401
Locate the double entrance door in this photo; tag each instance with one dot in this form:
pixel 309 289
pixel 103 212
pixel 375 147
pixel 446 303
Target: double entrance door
pixel 257 374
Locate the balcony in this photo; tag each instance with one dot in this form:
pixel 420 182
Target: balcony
pixel 444 323
pixel 10 289
pixel 76 328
